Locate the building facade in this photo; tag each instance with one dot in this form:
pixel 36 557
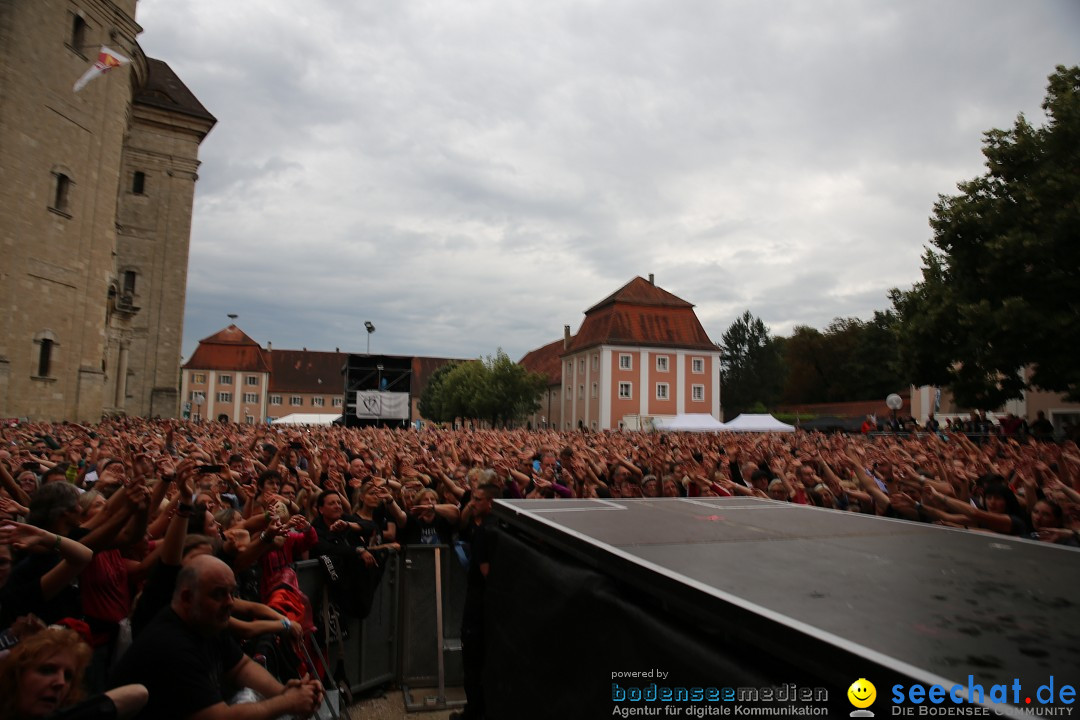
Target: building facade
pixel 232 375
pixel 640 353
pixel 96 191
pixel 547 361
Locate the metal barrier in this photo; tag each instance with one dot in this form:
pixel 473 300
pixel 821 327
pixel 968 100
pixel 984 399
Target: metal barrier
pixel 369 651
pixel 412 636
pixel 432 602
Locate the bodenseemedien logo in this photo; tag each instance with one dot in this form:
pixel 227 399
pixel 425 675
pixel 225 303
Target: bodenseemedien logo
pixel 862 694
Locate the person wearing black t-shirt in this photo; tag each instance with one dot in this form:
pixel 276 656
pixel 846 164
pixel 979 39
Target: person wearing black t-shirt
pixel 186 659
pixel 481 545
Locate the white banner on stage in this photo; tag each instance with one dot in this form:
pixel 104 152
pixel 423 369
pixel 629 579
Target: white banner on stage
pixel 382 405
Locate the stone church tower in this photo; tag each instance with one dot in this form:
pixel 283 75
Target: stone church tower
pixel 96 191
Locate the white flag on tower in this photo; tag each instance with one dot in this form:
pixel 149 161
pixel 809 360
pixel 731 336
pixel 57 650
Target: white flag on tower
pixel 107 59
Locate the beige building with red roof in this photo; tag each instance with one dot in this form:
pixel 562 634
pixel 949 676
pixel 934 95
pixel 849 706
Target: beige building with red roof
pixel 232 375
pixel 228 374
pixel 640 353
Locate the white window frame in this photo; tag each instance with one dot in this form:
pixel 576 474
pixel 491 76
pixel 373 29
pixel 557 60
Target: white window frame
pixel 225 379
pixel 275 399
pixel 198 378
pixel 626 361
pixel 697 393
pixel 581 365
pixel 318 401
pixel 337 402
pixel 596 362
pixel 581 392
pixel 595 390
pixel 697 365
pixel 224 397
pixel 251 397
pixel 629 388
pixel 569 392
pixel 251 380
pixel 666 395
pixel 663 363
pixel 296 400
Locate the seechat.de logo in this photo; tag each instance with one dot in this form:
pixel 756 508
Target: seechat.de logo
pixel 862 694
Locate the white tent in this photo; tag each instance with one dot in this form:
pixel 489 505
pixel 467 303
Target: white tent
pixel 749 422
pixel 307 419
pixel 689 422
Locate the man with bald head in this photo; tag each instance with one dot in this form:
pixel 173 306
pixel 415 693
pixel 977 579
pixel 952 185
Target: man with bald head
pixel 190 664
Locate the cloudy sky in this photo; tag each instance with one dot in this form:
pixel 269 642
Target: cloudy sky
pixel 474 175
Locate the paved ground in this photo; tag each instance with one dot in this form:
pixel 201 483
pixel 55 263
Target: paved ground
pixel 389 704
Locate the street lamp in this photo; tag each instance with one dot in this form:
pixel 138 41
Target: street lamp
pixel 370 329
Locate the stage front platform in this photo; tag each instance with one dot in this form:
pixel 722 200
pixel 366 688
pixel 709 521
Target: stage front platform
pixel 743 592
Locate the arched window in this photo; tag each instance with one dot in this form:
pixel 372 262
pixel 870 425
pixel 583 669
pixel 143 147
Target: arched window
pixel 44 354
pixel 61 192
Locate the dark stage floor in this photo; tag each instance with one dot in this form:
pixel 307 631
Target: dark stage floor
pixel 928 603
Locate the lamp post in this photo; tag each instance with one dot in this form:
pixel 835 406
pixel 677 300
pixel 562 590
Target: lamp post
pixel 378 382
pixel 370 329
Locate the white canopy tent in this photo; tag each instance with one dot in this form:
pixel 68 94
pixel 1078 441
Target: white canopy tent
pixel 307 419
pixel 689 422
pixel 750 422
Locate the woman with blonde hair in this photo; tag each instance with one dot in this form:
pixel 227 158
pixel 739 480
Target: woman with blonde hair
pixel 44 675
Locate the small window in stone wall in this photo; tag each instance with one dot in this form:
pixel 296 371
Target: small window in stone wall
pixel 138 183
pixel 61 193
pixel 45 357
pixel 79 30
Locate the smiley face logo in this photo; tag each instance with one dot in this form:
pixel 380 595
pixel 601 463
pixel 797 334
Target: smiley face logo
pixel 862 693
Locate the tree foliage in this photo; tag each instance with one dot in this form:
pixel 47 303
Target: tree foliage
pixel 999 286
pixel 752 366
pixel 494 389
pixel 852 359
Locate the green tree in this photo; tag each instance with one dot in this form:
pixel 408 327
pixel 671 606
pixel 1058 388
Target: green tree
pixel 752 366
pixel 851 360
pixel 999 286
pixel 431 400
pixel 494 389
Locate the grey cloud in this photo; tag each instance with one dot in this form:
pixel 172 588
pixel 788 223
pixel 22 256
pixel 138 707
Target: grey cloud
pixel 475 176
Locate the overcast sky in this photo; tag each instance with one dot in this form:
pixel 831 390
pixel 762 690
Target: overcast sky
pixel 475 175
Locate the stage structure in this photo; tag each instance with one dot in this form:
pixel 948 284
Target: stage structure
pixel 378 390
pixel 600 607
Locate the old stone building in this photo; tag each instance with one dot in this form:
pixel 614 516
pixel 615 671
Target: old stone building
pixel 96 191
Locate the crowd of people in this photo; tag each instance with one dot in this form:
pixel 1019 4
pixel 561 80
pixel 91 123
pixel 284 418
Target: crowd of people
pixel 149 562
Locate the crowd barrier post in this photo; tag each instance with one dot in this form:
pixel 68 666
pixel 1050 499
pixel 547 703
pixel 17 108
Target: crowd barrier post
pixel 430 643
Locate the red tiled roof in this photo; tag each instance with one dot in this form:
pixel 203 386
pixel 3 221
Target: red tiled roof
pixel 640 291
pixel 228 349
pixel 545 360
pixel 307 371
pixel 639 313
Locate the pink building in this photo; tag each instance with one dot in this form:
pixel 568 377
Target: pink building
pixel 640 353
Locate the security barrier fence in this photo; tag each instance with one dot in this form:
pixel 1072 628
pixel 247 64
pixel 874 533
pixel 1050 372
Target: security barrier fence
pixel 411 637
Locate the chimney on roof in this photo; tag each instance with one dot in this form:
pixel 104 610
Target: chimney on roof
pixel 337 349
pixel 305 349
pixel 652 279
pixel 269 345
pixel 565 337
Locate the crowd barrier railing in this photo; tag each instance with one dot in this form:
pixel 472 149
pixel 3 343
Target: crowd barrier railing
pixel 412 636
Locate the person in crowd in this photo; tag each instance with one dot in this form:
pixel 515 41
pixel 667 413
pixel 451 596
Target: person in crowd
pixel 42 678
pixel 188 679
